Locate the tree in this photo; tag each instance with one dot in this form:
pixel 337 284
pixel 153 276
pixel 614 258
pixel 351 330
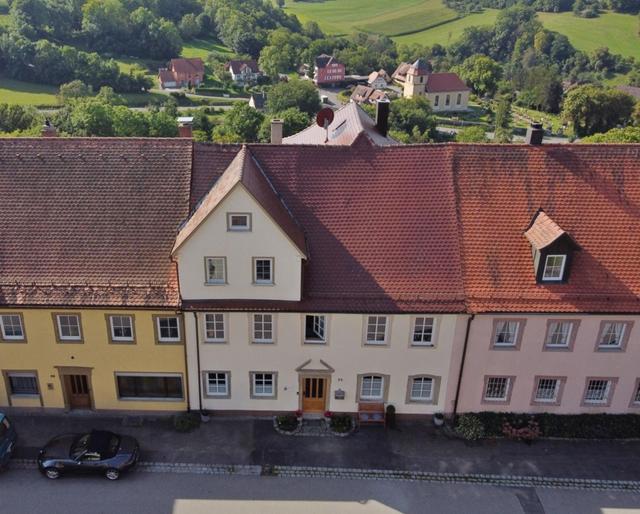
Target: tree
pixel 162 124
pixel 128 123
pixel 241 123
pixel 17 117
pixel 616 135
pixel 73 89
pixel 472 134
pixel 190 26
pixel 481 73
pixel 412 116
pixel 591 109
pixel 295 93
pixel 106 23
pixel 91 117
pixel 503 132
pixel 294 121
pixel 542 89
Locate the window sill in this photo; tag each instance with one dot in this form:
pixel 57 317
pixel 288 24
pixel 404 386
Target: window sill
pixel 556 348
pixel 422 345
pixel 511 347
pixel 609 348
pixel 263 342
pixel 124 341
pixel 379 345
pixel 170 342
pixel 216 283
pixel 12 340
pixel 214 341
pixel 263 283
pixel 316 342
pixel 19 396
pixel 70 341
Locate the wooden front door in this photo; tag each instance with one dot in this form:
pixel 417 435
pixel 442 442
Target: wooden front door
pixel 314 393
pixel 77 391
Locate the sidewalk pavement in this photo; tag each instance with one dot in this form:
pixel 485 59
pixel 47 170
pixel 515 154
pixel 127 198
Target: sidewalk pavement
pixel 413 446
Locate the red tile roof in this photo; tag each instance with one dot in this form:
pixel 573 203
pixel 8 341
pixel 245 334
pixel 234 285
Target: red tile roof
pixel 444 83
pixel 91 221
pixel 246 171
pixel 591 191
pixel 543 231
pixel 191 65
pixel 379 238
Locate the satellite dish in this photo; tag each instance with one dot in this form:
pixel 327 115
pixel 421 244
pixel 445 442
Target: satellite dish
pixel 324 117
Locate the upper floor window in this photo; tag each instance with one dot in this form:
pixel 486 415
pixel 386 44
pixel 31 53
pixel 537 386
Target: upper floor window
pixel 68 327
pixel 422 331
pixel 376 330
pixel 559 334
pixel 613 335
pixel 506 333
pixel 214 327
pixel 263 270
pixel 216 270
pixel 263 328
pixel 239 221
pixel 168 328
pixel 315 328
pixel 11 326
pixel 554 267
pixel 121 328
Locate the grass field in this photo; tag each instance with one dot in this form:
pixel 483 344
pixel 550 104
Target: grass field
pixel 26 93
pixel 619 32
pixel 449 32
pixel 382 16
pixel 201 48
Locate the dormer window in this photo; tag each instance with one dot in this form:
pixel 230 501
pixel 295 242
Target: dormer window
pixel 238 221
pixel 554 268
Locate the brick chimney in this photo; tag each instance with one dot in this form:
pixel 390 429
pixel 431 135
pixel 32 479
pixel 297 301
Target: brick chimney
pixel 535 134
pixel 185 126
pixel 277 130
pixel 48 130
pixel 382 116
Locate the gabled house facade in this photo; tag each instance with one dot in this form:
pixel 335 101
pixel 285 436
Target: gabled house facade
pixel 378 79
pixel 328 71
pixel 182 73
pixel 244 71
pixel 445 91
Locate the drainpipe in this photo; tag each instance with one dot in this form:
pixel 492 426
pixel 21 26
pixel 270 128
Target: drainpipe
pixel 195 319
pixel 462 361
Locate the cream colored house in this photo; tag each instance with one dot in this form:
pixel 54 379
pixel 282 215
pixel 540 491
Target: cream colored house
pixel 445 91
pixel 257 341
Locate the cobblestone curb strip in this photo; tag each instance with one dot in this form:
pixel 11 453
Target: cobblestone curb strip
pixel 374 474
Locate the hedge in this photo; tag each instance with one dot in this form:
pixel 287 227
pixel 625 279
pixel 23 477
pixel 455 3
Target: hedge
pixel 578 426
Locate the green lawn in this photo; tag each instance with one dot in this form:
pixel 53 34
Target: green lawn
pixel 201 48
pixel 26 93
pixel 617 31
pixel 448 33
pixel 382 16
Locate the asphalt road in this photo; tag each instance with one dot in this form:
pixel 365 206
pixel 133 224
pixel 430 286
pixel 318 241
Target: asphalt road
pixel 25 491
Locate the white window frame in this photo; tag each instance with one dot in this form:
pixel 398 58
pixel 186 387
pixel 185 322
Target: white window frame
pixel 22 374
pixel 262 340
pixel 507 389
pixel 516 333
pixel 320 324
pixel 545 278
pixel 215 281
pixel 371 397
pixel 621 337
pixel 376 327
pixel 3 327
pixel 254 380
pixel 551 332
pixel 127 339
pixel 168 339
pixel 208 339
pixel 556 390
pixel 61 336
pixel 239 228
pixel 422 398
pixel 421 341
pixel 607 391
pixel 263 282
pixel 226 393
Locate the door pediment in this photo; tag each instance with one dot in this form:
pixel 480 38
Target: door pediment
pixel 313 366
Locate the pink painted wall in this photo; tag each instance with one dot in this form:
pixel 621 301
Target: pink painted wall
pixel 531 360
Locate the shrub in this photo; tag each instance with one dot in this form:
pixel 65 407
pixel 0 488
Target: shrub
pixel 391 416
pixel 341 423
pixel 186 421
pixel 287 422
pixel 523 428
pixel 470 427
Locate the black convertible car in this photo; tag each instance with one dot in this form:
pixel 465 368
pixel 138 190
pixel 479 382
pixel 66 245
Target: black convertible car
pixel 96 452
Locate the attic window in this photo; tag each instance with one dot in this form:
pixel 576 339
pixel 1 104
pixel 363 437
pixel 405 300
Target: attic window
pixel 238 222
pixel 554 268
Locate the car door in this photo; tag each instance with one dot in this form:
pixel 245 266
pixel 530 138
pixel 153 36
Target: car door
pixel 90 462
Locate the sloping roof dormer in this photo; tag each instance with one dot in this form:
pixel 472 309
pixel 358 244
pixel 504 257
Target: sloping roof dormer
pixel 552 249
pixel 245 170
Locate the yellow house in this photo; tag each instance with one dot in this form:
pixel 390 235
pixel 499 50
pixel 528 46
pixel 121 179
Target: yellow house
pixel 89 295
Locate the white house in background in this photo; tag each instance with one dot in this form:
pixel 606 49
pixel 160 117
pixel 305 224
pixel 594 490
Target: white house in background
pixel 378 79
pixel 243 72
pixel 286 309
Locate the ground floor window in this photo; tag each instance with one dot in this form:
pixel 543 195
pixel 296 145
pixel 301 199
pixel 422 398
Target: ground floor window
pixel 597 391
pixel 421 389
pixel 372 387
pixel 217 383
pixel 23 384
pixel 263 385
pixel 167 387
pixel 497 389
pixel 547 390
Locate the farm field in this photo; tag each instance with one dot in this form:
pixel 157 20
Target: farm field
pixel 382 16
pixel 27 93
pixel 617 31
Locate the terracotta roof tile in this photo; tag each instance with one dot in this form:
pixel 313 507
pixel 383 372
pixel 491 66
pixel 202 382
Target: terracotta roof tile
pixel 190 65
pixel 543 231
pixel 444 82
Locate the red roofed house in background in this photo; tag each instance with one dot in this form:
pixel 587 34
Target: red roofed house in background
pixel 327 70
pixel 182 73
pixel 243 72
pixel 445 91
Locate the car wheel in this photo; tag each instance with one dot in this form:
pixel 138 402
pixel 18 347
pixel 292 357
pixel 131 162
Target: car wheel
pixel 112 474
pixel 52 473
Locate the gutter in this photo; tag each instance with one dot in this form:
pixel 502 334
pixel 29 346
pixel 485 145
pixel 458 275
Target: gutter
pixel 195 319
pixel 462 362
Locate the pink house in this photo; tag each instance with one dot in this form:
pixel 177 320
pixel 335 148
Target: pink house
pixel 328 70
pixel 550 253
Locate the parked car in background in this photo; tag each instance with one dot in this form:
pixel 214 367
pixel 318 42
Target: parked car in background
pixel 99 451
pixel 8 439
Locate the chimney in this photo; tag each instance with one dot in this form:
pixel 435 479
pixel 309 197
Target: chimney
pixel 382 116
pixel 277 128
pixel 48 130
pixel 535 134
pixel 185 126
